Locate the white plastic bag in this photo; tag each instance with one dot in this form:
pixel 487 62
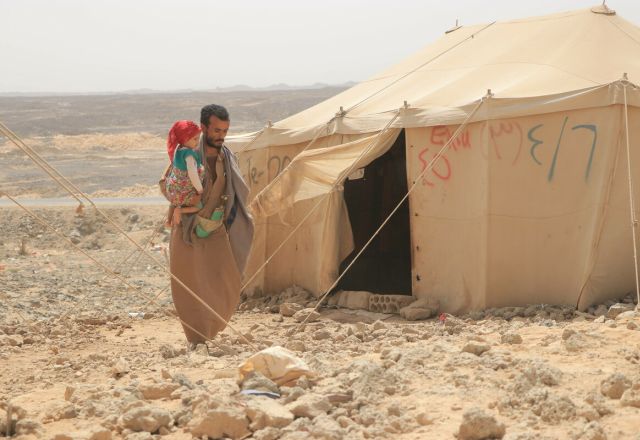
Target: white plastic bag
pixel 276 363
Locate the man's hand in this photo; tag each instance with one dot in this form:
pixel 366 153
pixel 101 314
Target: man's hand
pixel 177 217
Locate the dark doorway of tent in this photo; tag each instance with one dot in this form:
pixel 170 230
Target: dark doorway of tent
pixel 385 265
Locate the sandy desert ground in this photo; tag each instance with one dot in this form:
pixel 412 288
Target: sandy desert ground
pixel 84 356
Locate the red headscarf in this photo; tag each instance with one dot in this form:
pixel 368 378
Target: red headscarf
pixel 180 133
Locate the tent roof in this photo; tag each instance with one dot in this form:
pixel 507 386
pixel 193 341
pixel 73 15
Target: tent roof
pixel 540 58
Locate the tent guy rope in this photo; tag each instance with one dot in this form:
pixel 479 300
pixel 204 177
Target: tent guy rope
pixel 41 162
pixel 70 187
pixel 429 166
pixel 320 201
pixel 82 251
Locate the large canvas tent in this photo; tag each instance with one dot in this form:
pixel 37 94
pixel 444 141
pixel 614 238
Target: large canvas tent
pixel 530 203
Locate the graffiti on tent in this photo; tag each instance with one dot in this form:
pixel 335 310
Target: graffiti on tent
pixel 506 141
pixel 275 165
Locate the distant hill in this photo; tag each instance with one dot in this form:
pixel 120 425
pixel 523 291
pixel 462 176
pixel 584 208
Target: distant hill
pixel 154 112
pixel 235 88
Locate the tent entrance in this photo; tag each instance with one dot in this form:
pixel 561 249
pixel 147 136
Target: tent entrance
pixel 385 266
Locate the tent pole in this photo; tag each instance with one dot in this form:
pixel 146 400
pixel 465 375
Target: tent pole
pixel 632 211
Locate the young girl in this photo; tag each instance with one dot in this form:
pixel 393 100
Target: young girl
pixel 183 184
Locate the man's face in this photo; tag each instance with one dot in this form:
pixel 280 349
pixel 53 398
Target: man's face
pixel 215 132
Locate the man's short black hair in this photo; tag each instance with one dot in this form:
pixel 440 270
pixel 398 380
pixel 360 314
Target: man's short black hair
pixel 213 110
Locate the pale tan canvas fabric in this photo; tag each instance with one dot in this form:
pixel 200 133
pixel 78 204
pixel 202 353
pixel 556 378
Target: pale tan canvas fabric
pixel 510 221
pixel 569 54
pixel 530 204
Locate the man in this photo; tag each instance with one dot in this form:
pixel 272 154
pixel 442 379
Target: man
pixel 214 122
pixel 209 253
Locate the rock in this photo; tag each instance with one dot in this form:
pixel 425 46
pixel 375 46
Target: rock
pixel 88 319
pixel 325 427
pixel 417 314
pixel 3 422
pixel 626 315
pixel 310 405
pixel 321 334
pixel 617 309
pixel 257 381
pixel 68 392
pixel 291 394
pixel 146 418
pixel 592 431
pixel 267 434
pixel 74 236
pixel 424 419
pixel 296 346
pixel 475 347
pixel 264 412
pixel 169 351
pixel 598 402
pixel 28 427
pixel 182 380
pixel 301 315
pixel 539 372
pixel 201 350
pixel 16 340
pixel 392 354
pixel 99 433
pixel 477 425
pixel 227 421
pixel 128 435
pixel 555 409
pixel 354 300
pixel 575 342
pixel 614 386
pixel 631 325
pixel 588 412
pixel 423 308
pixel 59 410
pixel 567 333
pixel 368 380
pixel 157 390
pixel 511 338
pixel 631 397
pixel 290 309
pixel 601 310
pixel 120 368
pixel 600 319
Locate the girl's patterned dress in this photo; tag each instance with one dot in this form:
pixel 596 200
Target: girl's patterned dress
pixel 179 187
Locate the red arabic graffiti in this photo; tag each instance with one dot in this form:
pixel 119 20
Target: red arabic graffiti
pixel 439 174
pixel 505 141
pixel 506 138
pixel 440 134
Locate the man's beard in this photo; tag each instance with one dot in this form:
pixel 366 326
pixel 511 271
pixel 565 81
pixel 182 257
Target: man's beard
pixel 210 143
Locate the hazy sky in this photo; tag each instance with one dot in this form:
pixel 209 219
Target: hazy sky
pixel 113 45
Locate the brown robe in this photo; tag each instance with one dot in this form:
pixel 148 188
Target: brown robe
pixel 207 266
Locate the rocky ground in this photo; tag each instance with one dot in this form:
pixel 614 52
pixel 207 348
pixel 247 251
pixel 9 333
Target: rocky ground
pixel 84 356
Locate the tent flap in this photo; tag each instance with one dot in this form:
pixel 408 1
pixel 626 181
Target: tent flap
pixel 316 172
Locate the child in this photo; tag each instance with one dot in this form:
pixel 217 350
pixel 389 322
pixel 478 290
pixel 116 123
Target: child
pixel 183 184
